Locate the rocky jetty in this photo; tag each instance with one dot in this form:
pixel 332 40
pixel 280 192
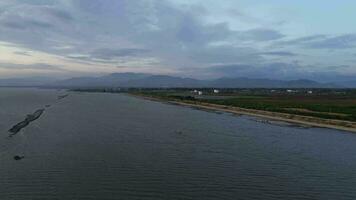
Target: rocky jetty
pixel 63 96
pixel 19 157
pixel 30 118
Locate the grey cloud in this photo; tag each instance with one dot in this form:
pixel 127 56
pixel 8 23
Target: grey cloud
pixel 25 24
pixel 283 71
pixel 81 57
pixel 33 17
pixel 279 53
pixel 37 2
pixel 226 54
pixel 23 53
pixel 324 42
pixel 36 66
pixel 108 7
pixel 114 53
pixel 239 15
pixel 337 67
pixel 303 39
pixel 270 70
pixel 97 26
pixel 105 32
pixel 261 35
pixel 109 56
pixel 230 68
pixel 172 32
pixel 339 42
pixel 60 14
pixel 39 27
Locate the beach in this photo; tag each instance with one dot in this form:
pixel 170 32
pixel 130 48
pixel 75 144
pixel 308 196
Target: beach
pixel 290 118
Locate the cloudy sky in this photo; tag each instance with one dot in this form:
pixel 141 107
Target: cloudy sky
pixel 191 38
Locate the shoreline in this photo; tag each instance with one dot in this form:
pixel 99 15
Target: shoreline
pixel 275 116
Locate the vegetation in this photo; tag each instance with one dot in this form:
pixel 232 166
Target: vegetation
pixel 323 103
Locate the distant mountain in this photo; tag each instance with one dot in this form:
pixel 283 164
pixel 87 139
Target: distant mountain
pixel 267 83
pixel 128 80
pixel 347 84
pixel 115 79
pixel 24 82
pixel 162 81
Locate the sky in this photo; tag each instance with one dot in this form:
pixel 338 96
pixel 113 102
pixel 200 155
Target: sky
pixel 203 39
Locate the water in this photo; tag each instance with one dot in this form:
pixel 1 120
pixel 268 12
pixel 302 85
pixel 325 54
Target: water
pixel 113 146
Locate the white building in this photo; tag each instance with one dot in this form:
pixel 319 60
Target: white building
pixel 216 91
pixel 200 93
pixel 310 92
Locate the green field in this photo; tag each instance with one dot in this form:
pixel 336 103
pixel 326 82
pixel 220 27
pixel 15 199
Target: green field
pixel 324 104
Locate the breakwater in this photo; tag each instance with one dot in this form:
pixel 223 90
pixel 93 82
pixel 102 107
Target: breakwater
pixel 30 118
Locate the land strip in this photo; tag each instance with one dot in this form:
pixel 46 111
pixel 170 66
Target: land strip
pixel 291 118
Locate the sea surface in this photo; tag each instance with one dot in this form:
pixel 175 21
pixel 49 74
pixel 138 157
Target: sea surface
pixel 115 146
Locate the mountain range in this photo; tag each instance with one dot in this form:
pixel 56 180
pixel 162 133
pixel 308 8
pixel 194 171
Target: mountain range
pixel 25 82
pixel 163 81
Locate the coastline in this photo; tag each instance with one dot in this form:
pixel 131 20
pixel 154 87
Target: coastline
pixel 274 116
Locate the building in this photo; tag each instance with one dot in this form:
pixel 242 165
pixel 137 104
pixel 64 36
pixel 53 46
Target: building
pixel 200 93
pixel 216 91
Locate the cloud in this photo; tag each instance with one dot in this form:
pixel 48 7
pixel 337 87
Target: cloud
pixel 303 40
pixel 33 17
pixel 260 35
pixel 111 29
pixel 271 70
pixel 282 71
pixel 15 23
pixel 226 54
pixel 279 53
pixel 345 41
pixel 278 70
pixel 339 42
pixel 37 27
pixel 164 32
pixel 240 15
pixel 115 53
pixel 36 66
pixel 59 14
pixel 23 53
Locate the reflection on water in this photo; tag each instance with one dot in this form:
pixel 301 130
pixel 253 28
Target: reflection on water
pixel 111 146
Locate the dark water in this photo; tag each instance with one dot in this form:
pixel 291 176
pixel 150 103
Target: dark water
pixel 111 146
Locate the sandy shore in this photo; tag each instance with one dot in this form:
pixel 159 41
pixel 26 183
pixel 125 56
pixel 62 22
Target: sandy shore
pixel 296 119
